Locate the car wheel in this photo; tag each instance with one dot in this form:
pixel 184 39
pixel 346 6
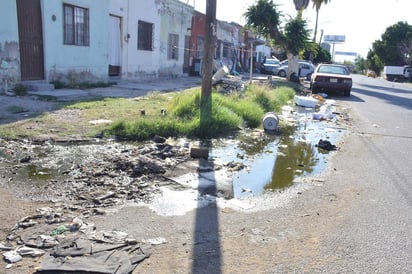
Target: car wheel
pixel 282 73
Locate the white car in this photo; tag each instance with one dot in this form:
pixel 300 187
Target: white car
pixel 305 68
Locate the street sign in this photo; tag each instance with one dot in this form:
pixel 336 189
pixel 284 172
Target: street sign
pixel 346 53
pixel 334 38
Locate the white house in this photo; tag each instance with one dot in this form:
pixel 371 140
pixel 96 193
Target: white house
pixel 82 40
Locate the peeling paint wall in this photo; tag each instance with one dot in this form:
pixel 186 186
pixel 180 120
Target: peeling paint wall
pixel 9 46
pixel 176 18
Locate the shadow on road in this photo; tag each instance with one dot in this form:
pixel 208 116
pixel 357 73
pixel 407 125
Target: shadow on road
pixel 390 95
pixel 206 246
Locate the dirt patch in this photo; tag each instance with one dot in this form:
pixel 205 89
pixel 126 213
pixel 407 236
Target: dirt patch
pixel 16 108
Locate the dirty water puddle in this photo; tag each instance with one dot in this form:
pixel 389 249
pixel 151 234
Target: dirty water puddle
pixel 247 167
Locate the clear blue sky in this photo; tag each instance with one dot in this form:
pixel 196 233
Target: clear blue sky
pixel 361 21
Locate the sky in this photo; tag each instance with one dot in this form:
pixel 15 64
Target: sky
pixel 361 21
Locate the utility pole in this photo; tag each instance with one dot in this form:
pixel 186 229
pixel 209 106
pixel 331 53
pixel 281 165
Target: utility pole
pixel 209 49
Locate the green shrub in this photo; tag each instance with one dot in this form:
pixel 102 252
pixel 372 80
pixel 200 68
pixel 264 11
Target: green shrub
pixel 20 90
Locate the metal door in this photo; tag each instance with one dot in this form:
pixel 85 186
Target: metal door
pixel 30 39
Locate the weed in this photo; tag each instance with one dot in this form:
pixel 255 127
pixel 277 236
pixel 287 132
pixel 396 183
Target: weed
pixel 20 90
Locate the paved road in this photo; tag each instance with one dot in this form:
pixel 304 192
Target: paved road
pixel 376 165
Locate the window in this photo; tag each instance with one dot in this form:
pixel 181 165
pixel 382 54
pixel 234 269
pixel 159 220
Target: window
pixel 145 36
pixel 226 50
pixel 76 25
pixel 173 47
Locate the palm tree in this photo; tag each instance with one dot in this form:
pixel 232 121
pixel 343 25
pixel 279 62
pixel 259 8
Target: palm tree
pixel 300 5
pixel 317 4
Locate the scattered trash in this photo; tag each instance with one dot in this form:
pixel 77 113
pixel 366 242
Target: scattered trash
pixel 317 97
pixel 60 230
pixel 156 241
pixel 221 72
pixel 12 257
pixel 100 121
pixel 5 248
pixel 326 145
pixel 306 101
pixel 29 251
pixel 270 122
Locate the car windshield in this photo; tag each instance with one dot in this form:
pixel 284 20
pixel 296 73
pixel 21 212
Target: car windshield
pixel 333 70
pixel 272 62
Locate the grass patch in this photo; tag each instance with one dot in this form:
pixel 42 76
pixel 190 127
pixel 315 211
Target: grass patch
pixel 223 115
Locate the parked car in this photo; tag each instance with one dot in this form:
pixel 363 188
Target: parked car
pixel 306 69
pixel 269 65
pixel 331 78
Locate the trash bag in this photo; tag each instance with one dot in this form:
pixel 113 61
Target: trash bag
pixel 326 145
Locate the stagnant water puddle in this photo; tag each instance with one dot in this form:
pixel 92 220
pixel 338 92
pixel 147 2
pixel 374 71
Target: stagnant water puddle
pixel 272 162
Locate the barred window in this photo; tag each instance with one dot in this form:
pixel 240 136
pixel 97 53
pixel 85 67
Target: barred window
pixel 76 25
pixel 173 47
pixel 145 36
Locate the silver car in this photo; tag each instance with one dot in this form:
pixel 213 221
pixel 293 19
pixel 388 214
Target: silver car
pixel 305 68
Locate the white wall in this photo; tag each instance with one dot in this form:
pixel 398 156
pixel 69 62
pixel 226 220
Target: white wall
pixel 91 61
pixel 176 18
pixel 9 43
pixel 137 64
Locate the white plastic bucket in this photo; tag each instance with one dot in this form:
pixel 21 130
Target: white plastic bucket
pixel 270 122
pixel 220 73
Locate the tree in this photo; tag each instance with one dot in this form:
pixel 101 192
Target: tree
pixel 393 47
pixel 264 18
pixel 300 5
pixel 317 4
pixel 318 54
pixel 375 63
pixel 361 64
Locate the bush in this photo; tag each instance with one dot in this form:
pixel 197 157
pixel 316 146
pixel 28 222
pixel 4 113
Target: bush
pixel 20 90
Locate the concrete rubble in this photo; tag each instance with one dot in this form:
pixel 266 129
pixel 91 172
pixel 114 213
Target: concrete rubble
pixel 93 181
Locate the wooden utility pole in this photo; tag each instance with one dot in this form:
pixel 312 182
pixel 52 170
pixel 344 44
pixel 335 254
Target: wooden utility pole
pixel 209 49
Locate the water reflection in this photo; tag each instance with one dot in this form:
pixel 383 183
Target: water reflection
pixel 294 158
pixel 275 162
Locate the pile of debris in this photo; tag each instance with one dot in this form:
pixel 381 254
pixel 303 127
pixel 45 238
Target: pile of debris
pixel 227 83
pixel 66 243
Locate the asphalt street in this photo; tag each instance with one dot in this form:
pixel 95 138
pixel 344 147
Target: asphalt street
pixel 376 166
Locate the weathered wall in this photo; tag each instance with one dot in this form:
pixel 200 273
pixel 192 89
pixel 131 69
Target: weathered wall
pixel 75 63
pixel 137 64
pixel 176 18
pixel 9 46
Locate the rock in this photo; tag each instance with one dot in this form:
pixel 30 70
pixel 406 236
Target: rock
pixel 159 139
pixel 199 152
pixel 25 159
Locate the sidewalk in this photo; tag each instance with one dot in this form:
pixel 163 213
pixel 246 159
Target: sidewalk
pixel 126 89
pixel 131 89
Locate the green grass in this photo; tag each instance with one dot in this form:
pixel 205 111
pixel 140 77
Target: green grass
pixel 223 115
